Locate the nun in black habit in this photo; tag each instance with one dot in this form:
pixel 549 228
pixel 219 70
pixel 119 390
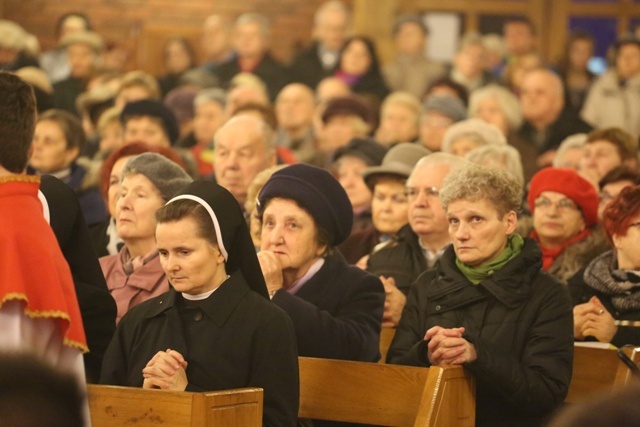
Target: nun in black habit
pixel 216 328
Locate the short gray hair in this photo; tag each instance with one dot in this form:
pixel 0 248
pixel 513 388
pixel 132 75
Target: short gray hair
pixel 436 159
pixel 473 182
pixel 478 130
pixel 504 157
pixel 255 18
pixel 577 140
pixel 215 94
pixel 333 5
pixel 507 101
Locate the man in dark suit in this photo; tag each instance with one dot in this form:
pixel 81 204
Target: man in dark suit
pixel 251 42
pixel 331 25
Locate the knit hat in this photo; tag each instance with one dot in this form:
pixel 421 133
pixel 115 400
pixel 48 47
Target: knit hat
pixel 569 183
pixel 315 190
pixel 152 108
pixel 347 106
pixel 367 149
pixel 165 175
pixel 399 160
pixel 447 106
pixel 232 232
pixel 180 102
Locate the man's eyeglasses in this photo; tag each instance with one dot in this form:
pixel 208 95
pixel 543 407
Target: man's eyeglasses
pixel 429 192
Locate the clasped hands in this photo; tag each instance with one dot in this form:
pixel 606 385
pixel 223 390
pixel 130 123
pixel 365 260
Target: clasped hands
pixel 166 370
pixel 447 347
pixel 592 319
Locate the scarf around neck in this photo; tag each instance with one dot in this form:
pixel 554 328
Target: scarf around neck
pixel 475 275
pixel 550 255
pixel 623 286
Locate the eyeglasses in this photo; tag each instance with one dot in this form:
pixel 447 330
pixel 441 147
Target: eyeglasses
pixel 429 192
pixel 563 205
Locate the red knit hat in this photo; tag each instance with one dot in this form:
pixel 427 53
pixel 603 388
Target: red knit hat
pixel 569 183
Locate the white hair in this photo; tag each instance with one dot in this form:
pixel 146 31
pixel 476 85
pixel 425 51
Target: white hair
pixel 507 101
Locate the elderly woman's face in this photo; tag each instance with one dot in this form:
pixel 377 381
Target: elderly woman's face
pixel 138 201
pixel 490 111
pixel 389 206
pixel 556 218
pixel 114 184
pixel 478 232
pixel 50 152
pixel 461 146
pixel 192 264
pixel 349 170
pixel 627 246
pixel 291 234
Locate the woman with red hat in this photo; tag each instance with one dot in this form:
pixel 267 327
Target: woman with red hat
pixel 565 218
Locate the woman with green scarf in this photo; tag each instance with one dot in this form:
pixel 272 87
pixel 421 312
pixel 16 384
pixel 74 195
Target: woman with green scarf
pixel 488 306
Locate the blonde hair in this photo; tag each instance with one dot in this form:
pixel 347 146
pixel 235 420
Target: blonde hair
pixel 473 182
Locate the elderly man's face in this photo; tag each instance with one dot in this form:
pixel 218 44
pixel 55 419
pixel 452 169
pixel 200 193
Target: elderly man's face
pixel 410 39
pixel 426 214
pixel 81 59
pixel 208 118
pixel 295 107
pixel 540 96
pixel 331 29
pixel 240 153
pixel 249 40
pixel 146 129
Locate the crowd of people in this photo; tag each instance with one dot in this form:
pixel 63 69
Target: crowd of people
pixel 203 228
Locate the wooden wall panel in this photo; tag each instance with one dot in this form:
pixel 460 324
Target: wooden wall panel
pixel 134 21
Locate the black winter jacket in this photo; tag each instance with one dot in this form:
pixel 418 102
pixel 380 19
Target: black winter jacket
pixel 520 322
pixel 400 258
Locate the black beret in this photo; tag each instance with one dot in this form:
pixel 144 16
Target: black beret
pixel 317 191
pixel 367 149
pixel 153 108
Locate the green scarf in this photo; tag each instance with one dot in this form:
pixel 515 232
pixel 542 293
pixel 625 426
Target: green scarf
pixel 475 275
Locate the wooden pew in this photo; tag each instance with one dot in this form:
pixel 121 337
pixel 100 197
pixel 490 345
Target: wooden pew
pixel 386 336
pixel 391 395
pixel 113 406
pixel 596 371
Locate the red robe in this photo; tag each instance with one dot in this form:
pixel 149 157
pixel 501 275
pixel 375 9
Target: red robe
pixel 32 267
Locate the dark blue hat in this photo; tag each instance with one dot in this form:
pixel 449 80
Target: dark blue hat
pixel 153 108
pixel 367 149
pixel 315 190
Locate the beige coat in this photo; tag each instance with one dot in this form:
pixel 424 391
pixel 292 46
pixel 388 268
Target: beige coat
pixel 609 104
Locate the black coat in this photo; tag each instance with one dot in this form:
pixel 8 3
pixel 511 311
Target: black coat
pixel 401 258
pixel 520 322
pixel 235 338
pixel 97 307
pixel 307 68
pixel 567 123
pixel 337 314
pixel 273 74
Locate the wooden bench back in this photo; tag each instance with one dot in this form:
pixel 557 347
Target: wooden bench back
pixel 596 371
pixel 381 394
pixel 112 406
pixel 386 336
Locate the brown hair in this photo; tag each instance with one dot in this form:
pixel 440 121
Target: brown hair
pixel 17 122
